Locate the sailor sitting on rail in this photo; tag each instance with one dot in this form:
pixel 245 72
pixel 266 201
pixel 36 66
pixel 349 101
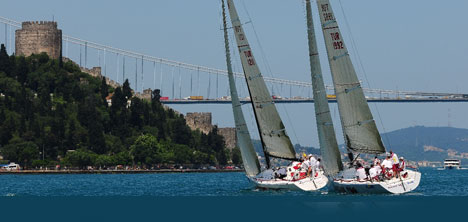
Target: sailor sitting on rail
pixel 360 172
pixel 374 172
pixel 280 173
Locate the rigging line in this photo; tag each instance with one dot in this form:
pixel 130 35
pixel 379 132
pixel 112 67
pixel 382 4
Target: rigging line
pixel 363 70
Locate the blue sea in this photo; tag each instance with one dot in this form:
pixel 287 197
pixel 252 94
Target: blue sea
pixel 433 183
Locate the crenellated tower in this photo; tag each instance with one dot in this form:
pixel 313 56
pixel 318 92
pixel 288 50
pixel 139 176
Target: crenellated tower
pixel 36 37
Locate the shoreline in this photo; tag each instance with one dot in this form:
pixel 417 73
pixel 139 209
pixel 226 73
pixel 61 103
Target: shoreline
pixel 120 171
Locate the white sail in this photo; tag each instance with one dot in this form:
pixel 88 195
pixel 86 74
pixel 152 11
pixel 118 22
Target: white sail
pixel 359 128
pixel 275 141
pixel 331 157
pixel 244 142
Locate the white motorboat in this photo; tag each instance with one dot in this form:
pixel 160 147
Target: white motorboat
pixel 450 164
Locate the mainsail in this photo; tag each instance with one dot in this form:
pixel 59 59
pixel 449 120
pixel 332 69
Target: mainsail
pixel 249 157
pixel 360 132
pixel 275 141
pixel 326 133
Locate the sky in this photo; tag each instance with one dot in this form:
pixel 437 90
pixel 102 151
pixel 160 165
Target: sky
pixel 417 45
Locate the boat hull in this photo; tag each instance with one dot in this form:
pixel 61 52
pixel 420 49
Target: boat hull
pixel 306 184
pixel 393 186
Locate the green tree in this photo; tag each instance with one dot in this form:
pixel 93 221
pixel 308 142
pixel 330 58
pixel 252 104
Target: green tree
pixel 145 149
pixel 126 90
pixel 20 151
pixel 80 158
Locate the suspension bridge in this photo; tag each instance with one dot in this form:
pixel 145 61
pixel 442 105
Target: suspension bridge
pixel 185 83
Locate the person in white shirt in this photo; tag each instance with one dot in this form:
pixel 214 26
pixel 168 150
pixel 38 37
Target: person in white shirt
pixel 317 166
pixel 374 172
pixel 361 173
pixel 387 165
pixel 402 165
pixel 376 161
pixel 313 163
pixel 305 165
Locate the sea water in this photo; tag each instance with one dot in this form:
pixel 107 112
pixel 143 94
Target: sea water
pixel 433 183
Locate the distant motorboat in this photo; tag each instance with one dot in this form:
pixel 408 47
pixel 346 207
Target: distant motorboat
pixel 452 164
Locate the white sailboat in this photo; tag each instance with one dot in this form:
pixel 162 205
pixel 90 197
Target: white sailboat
pixel 358 125
pixel 275 141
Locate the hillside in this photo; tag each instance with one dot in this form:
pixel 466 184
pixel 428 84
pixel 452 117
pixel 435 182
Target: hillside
pixel 415 143
pixel 428 143
pixel 52 113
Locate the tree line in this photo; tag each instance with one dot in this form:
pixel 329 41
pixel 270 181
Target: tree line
pixel 52 113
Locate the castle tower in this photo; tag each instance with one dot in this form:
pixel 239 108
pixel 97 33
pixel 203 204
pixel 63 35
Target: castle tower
pixel 37 37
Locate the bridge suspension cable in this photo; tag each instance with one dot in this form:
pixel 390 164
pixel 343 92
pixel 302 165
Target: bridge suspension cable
pixel 191 67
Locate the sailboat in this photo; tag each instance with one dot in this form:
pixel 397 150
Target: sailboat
pixel 359 129
pixel 273 136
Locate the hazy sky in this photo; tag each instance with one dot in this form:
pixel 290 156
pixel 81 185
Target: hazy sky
pixel 417 45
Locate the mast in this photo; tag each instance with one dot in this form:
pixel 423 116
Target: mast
pixel 244 142
pixel 275 141
pixel 326 132
pixel 359 129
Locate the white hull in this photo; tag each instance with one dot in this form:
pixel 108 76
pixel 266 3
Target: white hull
pixel 306 184
pixel 393 186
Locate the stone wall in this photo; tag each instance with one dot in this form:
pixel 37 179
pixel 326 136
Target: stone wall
pixel 201 121
pixel 37 37
pixel 230 137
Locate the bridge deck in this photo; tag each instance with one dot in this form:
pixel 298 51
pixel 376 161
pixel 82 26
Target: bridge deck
pixel 214 101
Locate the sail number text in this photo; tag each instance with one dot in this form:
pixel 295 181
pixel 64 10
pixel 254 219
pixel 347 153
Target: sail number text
pixel 250 59
pixel 247 53
pixel 337 43
pixel 327 16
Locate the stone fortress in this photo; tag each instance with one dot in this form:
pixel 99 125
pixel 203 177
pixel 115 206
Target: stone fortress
pixel 37 37
pixel 202 122
pixel 44 36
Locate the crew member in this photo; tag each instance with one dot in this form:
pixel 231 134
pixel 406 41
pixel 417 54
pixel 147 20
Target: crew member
pixel 313 164
pixel 317 166
pixel 402 165
pixel 373 173
pixel 395 164
pixel 387 165
pixel 360 172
